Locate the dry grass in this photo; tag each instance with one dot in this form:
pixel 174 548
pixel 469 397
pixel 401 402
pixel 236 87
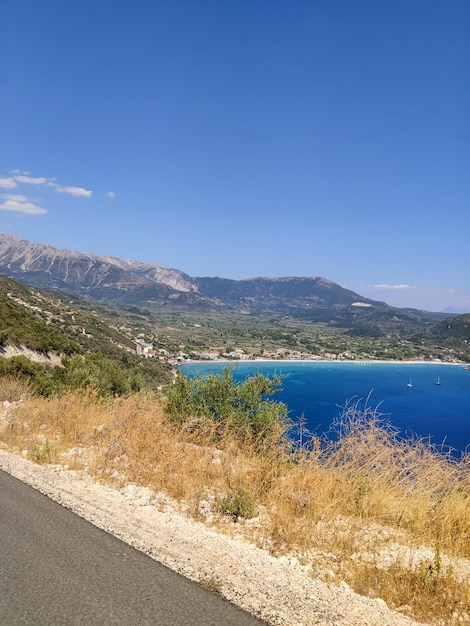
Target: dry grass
pixel 345 508
pixel 13 390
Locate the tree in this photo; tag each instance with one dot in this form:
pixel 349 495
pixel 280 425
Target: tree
pixel 107 376
pixel 217 400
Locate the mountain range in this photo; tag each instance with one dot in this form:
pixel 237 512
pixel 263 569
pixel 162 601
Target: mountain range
pixel 127 283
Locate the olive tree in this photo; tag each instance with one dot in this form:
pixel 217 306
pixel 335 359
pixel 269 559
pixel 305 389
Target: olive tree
pixel 218 400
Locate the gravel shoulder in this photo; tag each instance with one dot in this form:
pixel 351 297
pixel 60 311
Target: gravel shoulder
pixel 274 589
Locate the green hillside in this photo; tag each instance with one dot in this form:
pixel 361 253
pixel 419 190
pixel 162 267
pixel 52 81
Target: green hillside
pixel 451 335
pixel 53 324
pixel 24 323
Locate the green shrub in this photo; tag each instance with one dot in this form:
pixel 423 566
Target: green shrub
pixel 43 453
pixel 238 503
pixel 216 401
pixel 23 369
pixel 108 376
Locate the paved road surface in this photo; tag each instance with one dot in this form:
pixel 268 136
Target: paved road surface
pixel 57 569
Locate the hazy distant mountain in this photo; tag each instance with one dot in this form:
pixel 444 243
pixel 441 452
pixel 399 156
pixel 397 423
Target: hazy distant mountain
pixel 149 285
pixel 455 310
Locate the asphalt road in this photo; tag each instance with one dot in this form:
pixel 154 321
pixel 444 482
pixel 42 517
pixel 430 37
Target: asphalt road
pixel 58 569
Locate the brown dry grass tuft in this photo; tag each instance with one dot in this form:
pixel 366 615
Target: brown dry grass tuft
pixel 13 390
pixel 341 508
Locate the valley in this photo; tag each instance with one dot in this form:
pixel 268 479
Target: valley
pixel 107 304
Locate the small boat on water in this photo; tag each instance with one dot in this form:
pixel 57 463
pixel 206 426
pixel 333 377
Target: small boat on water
pixel 409 384
pixel 438 381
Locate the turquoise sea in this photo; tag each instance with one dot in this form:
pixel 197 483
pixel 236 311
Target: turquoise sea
pixel 320 390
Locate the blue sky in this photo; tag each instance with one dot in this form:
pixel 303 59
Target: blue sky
pixel 242 138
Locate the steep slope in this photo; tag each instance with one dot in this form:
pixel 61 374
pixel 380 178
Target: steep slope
pixel 24 323
pixel 51 267
pixel 46 322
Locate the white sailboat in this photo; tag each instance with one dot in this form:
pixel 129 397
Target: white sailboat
pixel 409 384
pixel 438 381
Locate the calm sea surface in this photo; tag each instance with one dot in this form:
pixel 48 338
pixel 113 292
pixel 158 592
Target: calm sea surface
pixel 319 391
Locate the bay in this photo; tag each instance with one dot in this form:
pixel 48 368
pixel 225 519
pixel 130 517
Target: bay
pixel 320 391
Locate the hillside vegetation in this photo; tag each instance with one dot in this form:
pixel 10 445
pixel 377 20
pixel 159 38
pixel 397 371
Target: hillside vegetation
pixel 451 334
pixel 91 348
pixel 26 326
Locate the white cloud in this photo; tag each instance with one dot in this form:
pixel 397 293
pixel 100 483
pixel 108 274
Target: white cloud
pixel 14 196
pixel 74 191
pixel 385 286
pixel 110 194
pixel 20 204
pixel 29 180
pixel 7 183
pixel 424 298
pixel 24 178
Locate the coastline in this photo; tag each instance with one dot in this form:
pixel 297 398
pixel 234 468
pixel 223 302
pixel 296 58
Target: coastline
pixel 321 361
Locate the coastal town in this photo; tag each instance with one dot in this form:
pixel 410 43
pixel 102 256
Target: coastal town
pixel 146 349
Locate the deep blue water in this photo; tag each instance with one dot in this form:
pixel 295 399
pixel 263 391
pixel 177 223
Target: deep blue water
pixel 320 390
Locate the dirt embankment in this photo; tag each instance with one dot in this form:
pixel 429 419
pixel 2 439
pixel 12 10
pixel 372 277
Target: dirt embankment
pixel 48 358
pixel 278 590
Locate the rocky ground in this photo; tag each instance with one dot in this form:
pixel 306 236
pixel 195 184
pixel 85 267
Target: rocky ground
pixel 278 590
